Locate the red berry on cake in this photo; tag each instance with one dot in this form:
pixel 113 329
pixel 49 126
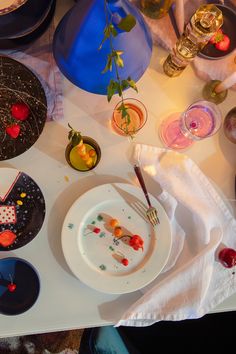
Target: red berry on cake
pixel 20 111
pixel 13 130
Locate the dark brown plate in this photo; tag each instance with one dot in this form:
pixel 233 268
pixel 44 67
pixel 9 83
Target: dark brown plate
pixel 19 84
pixel 229 28
pixel 22 208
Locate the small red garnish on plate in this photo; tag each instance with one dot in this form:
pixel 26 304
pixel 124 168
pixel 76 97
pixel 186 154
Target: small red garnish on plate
pixel 136 242
pixel 13 130
pixel 217 37
pixel 7 237
pixel 20 111
pixel 96 230
pixel 125 262
pixel 11 287
pixel 224 44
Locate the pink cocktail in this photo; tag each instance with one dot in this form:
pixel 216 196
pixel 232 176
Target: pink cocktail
pixel 201 120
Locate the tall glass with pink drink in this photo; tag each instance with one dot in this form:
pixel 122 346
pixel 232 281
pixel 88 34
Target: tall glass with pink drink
pixel 201 120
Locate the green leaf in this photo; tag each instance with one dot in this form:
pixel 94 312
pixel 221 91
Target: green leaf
pixel 127 23
pixel 108 64
pixel 112 89
pixel 118 59
pixel 124 84
pixel 74 136
pixel 132 84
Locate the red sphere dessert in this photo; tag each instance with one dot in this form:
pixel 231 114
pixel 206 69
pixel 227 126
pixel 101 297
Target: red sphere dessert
pixel 227 257
pixel 20 111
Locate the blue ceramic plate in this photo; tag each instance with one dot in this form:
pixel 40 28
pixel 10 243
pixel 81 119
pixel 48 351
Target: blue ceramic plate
pixel 23 275
pixel 25 19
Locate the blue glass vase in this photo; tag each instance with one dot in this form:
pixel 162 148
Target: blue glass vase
pixel 79 35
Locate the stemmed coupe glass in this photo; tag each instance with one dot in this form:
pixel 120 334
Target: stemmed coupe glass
pixel 201 120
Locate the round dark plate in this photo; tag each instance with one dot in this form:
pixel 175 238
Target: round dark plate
pixel 21 43
pixel 25 19
pixel 229 28
pixel 26 278
pixel 22 209
pixel 19 84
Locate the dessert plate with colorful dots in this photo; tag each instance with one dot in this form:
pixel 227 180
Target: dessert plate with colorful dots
pixel 109 244
pixel 22 209
pixel 23 108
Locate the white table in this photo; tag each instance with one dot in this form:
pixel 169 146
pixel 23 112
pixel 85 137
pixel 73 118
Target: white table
pixel 64 302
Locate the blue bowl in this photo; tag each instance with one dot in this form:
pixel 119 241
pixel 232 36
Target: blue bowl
pixel 26 278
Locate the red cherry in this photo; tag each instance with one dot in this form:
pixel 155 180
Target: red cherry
pixel 13 130
pixel 125 261
pixel 11 287
pixel 136 242
pixel 20 111
pixel 96 230
pixel 227 257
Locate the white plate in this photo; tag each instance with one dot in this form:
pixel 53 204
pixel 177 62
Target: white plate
pixel 95 258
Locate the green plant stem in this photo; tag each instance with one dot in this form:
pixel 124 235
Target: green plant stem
pixel 127 116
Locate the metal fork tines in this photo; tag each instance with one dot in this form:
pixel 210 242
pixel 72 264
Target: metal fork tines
pixel 151 211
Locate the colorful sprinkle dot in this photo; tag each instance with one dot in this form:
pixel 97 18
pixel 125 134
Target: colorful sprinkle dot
pixel 23 195
pixel 93 222
pixel 66 178
pixel 111 248
pixel 102 267
pixel 19 202
pixel 96 230
pixel 70 226
pixel 102 234
pixel 99 218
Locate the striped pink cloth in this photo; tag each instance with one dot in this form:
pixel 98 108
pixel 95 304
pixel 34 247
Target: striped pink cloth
pixel 38 57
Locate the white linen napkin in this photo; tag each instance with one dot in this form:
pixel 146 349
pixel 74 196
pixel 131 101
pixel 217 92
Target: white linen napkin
pixel 197 282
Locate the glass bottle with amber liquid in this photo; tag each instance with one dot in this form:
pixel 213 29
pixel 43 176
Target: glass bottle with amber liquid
pixel 204 23
pixel 155 8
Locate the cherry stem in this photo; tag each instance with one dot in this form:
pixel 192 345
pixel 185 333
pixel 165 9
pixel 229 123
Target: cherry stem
pixel 119 238
pixel 11 280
